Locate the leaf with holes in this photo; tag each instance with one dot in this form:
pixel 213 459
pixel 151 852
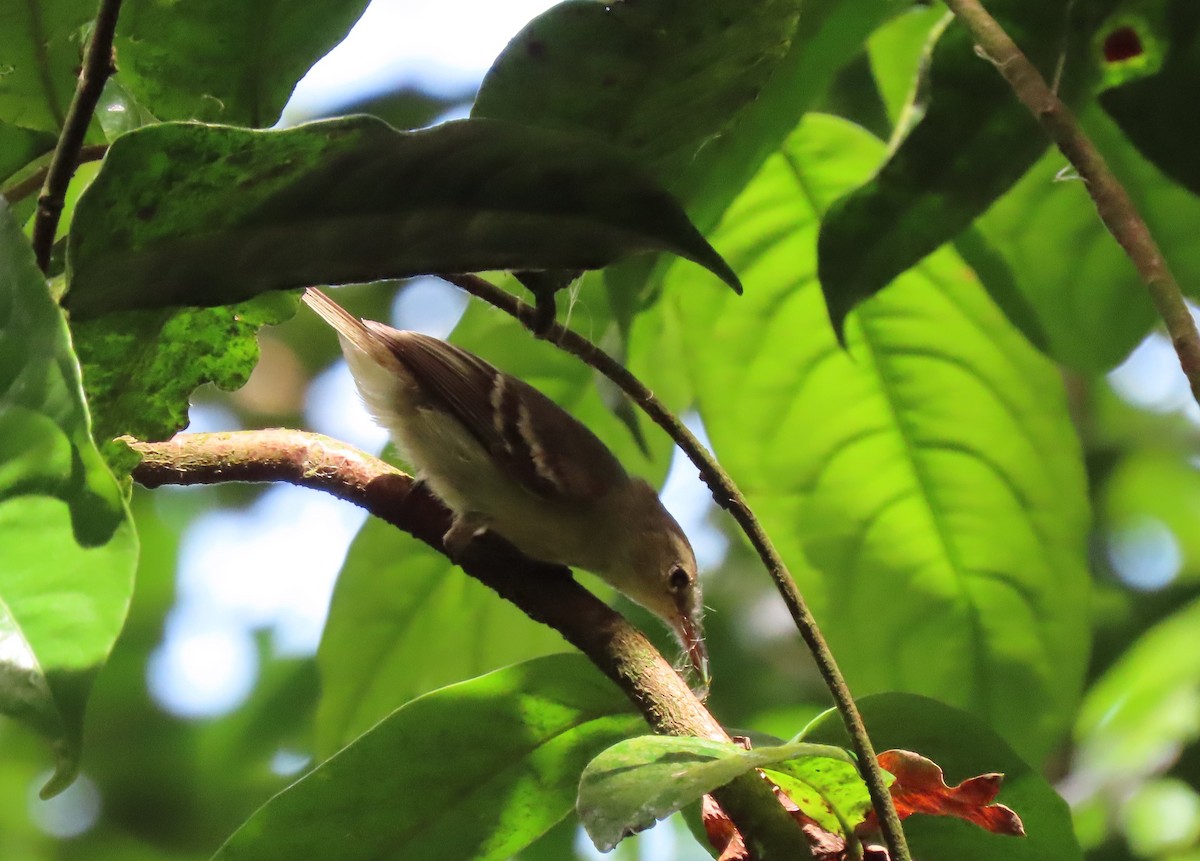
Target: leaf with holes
pixel 926 488
pixel 141 367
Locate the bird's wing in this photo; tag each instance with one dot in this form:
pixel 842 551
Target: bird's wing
pixel 532 439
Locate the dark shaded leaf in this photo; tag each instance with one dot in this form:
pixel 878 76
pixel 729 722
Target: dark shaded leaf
pixel 19 147
pixel 1157 113
pixel 970 141
pixel 41 44
pixel 659 79
pixel 201 215
pixel 227 61
pixel 67 544
pixel 477 770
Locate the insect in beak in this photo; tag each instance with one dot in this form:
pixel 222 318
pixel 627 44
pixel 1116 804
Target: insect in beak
pixel 692 637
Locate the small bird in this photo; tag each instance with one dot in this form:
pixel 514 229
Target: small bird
pixel 505 458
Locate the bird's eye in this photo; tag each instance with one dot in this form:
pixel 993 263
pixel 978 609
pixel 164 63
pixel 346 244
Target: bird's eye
pixel 678 579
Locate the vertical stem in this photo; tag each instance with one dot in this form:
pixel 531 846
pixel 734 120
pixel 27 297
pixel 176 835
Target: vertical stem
pixel 97 66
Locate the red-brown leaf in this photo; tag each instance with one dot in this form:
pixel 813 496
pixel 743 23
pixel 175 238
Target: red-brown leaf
pixel 920 787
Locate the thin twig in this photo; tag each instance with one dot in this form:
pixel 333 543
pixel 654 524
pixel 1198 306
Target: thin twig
pixel 1113 203
pixel 97 66
pixel 727 495
pixel 22 188
pixel 546 593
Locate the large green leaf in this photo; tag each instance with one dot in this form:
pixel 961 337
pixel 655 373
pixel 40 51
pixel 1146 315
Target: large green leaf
pixel 926 487
pixel 964 747
pixel 969 140
pixel 477 770
pixel 636 782
pixel 67 545
pixel 185 214
pixel 229 61
pixel 403 621
pixel 699 93
pixel 41 44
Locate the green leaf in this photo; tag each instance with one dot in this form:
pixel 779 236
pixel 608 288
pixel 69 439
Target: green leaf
pixel 477 770
pixel 1090 303
pixel 140 367
pixel 227 61
pixel 638 781
pixel 925 487
pixel 970 141
pixel 1155 112
pixel 897 51
pixel 67 544
pixel 659 79
pixel 643 76
pixel 19 147
pixel 41 45
pixel 1143 708
pixel 403 621
pixel 184 214
pixel 963 746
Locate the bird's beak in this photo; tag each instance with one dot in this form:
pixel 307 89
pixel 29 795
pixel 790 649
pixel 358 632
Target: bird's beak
pixel 692 635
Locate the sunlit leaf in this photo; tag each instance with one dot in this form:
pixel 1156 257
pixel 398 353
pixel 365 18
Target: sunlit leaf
pixel 67 544
pixel 910 483
pixel 476 770
pixel 639 781
pixel 403 621
pixel 1140 713
pixel 1090 302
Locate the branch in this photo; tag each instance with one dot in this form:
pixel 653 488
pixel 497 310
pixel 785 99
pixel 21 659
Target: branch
pixel 546 593
pixel 1113 204
pixel 727 495
pixel 97 66
pixel 20 189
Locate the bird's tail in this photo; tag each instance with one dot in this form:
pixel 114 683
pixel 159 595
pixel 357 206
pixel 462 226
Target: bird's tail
pixel 350 328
